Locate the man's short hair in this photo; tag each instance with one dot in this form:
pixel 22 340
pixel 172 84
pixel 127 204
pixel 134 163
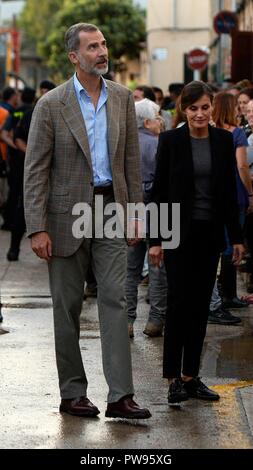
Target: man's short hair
pixel 47 84
pixel 72 39
pixel 28 95
pixel 8 92
pixel 176 88
pixel 147 92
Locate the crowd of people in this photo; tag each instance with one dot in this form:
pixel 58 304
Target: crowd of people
pixel 16 110
pixel 193 146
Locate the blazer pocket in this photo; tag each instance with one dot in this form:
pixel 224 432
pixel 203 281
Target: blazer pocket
pixel 58 203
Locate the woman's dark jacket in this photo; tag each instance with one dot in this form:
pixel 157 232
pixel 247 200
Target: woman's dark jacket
pixel 174 182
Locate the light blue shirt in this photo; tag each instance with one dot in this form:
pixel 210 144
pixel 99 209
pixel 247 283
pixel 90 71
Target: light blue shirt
pixel 96 126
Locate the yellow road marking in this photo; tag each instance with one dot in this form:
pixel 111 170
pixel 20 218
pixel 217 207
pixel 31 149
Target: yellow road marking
pixel 223 388
pixel 231 424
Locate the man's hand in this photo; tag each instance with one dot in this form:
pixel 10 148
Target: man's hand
pixel 156 255
pixel 238 253
pixel 135 232
pixel 42 245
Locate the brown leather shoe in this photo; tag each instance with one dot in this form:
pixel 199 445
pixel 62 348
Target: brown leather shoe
pixel 80 406
pixel 126 408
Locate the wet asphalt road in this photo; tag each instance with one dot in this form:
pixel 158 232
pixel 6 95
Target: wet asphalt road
pixel 29 391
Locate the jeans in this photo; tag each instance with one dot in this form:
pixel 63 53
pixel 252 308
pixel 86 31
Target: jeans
pixel 216 301
pixel 157 285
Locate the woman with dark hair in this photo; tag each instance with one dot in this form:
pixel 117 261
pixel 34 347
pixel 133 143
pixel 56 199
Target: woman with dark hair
pixel 243 98
pixel 195 168
pixel 224 116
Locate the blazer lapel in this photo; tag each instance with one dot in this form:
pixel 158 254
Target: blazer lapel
pixel 73 117
pixel 113 116
pixel 216 158
pixel 185 144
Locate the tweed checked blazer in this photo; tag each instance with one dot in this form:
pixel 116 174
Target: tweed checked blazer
pixel 58 166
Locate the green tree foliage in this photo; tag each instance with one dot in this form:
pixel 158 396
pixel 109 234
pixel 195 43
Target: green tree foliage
pixel 122 23
pixel 37 20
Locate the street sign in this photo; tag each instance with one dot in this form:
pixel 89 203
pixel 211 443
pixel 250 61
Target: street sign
pixel 197 59
pixel 225 22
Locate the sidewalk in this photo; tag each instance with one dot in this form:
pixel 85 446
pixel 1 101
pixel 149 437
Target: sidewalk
pixel 29 390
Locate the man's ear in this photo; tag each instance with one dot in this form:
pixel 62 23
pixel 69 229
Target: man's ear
pixel 73 57
pixel 146 123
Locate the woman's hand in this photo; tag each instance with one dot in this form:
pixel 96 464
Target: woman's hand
pixel 156 255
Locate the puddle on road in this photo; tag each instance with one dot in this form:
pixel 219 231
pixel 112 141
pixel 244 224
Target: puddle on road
pixel 9 303
pixel 229 357
pixel 236 358
pixel 89 337
pixel 86 325
pixel 29 305
pixel 43 296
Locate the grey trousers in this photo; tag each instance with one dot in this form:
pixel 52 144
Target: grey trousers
pixel 157 285
pixel 66 277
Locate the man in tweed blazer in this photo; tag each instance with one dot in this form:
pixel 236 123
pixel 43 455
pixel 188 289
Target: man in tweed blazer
pixel 83 142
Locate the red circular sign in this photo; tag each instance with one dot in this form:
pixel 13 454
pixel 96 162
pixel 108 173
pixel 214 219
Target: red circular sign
pixel 197 59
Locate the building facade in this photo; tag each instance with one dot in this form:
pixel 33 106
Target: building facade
pixel 174 27
pixel 242 42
